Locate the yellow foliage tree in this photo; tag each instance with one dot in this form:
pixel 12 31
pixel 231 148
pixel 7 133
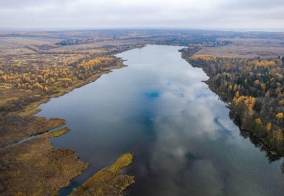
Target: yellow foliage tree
pixel 278 135
pixel 250 102
pixel 258 121
pixel 279 115
pixel 237 94
pixel 268 128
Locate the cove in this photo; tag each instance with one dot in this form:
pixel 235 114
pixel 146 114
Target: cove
pixel 179 131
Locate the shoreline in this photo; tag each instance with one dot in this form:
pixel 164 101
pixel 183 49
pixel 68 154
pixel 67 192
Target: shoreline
pixel 268 147
pixel 10 151
pixel 33 106
pixel 29 112
pixel 58 53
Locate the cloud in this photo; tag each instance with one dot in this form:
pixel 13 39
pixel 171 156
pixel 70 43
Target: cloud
pixel 253 4
pixel 8 4
pixel 146 13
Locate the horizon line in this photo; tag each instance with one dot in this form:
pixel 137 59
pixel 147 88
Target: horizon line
pixel 35 29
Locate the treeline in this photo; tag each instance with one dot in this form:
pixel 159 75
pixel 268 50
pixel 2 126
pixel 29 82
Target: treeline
pixel 254 89
pixel 49 79
pixel 86 69
pixel 74 42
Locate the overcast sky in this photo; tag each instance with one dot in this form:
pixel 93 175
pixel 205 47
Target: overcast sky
pixel 91 14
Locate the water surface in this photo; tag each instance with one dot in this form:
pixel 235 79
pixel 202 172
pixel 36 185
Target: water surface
pixel 159 109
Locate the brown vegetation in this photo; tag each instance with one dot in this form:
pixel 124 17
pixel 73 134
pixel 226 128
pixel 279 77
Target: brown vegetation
pixel 14 128
pixel 36 168
pixel 247 48
pixel 107 181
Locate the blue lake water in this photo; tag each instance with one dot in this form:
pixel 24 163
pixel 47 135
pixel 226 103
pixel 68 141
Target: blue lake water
pixel 179 131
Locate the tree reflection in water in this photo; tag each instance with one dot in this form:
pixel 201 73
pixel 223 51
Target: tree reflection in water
pixel 271 156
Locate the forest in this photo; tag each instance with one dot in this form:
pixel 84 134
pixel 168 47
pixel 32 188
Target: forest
pixel 44 79
pixel 254 91
pixel 49 78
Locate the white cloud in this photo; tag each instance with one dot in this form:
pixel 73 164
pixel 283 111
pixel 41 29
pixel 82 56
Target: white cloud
pixel 147 13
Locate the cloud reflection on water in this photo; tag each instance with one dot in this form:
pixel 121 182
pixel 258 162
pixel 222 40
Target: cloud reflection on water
pixel 194 138
pixel 158 108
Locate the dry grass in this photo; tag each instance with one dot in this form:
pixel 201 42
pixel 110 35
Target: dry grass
pixel 107 181
pixel 247 48
pixel 16 128
pixel 36 168
pixel 19 45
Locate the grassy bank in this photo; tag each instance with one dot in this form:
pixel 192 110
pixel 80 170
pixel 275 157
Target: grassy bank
pixel 36 168
pixel 107 181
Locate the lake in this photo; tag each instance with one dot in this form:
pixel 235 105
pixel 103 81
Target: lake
pixel 179 131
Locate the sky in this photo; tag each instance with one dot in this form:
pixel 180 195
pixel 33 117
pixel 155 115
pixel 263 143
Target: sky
pixel 185 14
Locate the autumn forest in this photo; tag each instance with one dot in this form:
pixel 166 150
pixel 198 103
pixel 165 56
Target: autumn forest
pixel 254 90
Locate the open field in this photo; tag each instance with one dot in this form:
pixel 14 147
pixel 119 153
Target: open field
pixel 22 45
pixel 247 48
